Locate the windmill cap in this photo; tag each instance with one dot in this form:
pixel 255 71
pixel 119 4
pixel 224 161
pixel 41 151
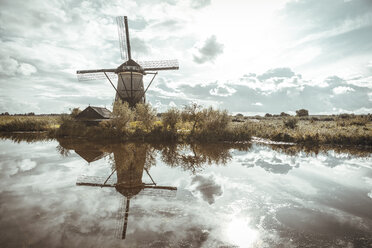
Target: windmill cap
pixel 129 65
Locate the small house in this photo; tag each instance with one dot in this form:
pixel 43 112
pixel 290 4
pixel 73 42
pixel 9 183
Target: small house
pixel 94 115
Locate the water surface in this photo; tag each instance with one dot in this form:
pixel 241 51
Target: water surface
pixel 71 193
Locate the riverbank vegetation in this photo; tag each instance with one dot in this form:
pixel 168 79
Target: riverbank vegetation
pixel 28 123
pixel 352 130
pixel 193 123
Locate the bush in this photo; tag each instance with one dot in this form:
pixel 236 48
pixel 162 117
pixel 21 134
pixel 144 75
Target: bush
pixel 346 116
pixel 215 120
pixel 75 112
pixel 284 114
pixel 302 112
pixel 70 127
pixel 268 115
pixel 146 114
pixel 170 118
pixel 290 122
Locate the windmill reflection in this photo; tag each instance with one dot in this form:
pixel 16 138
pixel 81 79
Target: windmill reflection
pixel 130 161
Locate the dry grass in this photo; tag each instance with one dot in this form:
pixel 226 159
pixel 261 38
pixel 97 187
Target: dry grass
pixel 28 123
pixel 312 132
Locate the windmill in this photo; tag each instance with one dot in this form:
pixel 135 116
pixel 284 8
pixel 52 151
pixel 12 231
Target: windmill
pixel 129 167
pixel 129 75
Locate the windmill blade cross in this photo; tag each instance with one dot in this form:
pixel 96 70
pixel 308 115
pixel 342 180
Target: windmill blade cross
pixel 159 65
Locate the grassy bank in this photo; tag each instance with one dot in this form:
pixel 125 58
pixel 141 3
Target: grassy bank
pixel 196 124
pixel 354 131
pixel 28 123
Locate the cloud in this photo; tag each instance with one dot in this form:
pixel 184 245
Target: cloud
pixel 340 12
pixel 222 90
pixel 277 72
pixel 139 47
pixel 198 4
pixel 11 67
pixel 207 187
pixel 282 91
pixel 342 90
pixel 209 51
pixel 257 104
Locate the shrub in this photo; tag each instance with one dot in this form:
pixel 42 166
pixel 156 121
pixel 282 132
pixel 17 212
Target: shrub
pixel 146 114
pixel 268 115
pixel 290 122
pixel 70 127
pixel 75 112
pixel 170 118
pixel 302 112
pixel 215 120
pixel 284 114
pixel 345 116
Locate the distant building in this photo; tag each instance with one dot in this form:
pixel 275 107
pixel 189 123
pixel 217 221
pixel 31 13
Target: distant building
pixel 94 115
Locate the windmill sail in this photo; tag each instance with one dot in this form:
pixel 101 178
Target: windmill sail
pixel 96 75
pixel 159 65
pixel 122 37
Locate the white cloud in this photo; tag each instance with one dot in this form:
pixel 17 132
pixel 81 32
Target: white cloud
pixel 222 90
pixel 342 90
pixel 11 67
pixel 26 69
pixel 257 104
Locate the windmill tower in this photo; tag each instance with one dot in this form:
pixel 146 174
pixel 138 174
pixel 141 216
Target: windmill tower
pixel 129 166
pixel 129 75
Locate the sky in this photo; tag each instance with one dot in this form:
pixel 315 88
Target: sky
pixel 251 57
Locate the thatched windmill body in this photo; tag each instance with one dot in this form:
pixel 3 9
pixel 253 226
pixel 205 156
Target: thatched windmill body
pixel 129 75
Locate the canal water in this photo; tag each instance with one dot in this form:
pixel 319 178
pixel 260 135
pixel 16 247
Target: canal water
pixel 72 193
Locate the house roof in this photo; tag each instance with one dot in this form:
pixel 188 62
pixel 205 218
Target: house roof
pixel 94 113
pixel 104 112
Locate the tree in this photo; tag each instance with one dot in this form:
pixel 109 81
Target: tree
pixel 284 114
pixel 268 115
pixel 302 112
pixel 170 118
pixel 122 115
pixel 146 114
pixel 194 114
